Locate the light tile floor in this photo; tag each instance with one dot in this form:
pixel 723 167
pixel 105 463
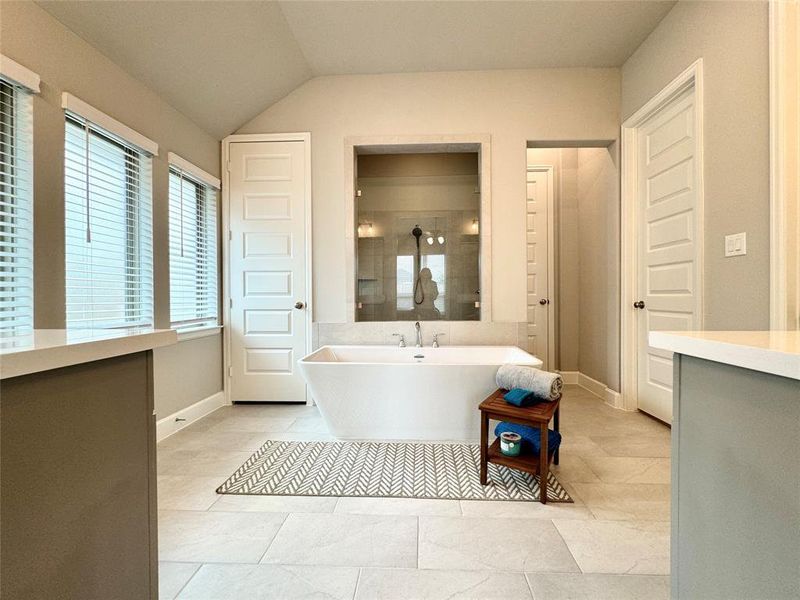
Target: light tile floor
pixel 612 543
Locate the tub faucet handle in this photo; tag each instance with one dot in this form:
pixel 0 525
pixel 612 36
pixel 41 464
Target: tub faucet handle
pixel 436 337
pixel 402 342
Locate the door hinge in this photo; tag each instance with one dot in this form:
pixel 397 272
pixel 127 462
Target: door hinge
pixel 230 371
pixel 230 236
pixel 228 166
pixel 230 303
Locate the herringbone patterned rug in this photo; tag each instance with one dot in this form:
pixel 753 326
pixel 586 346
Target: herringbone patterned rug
pixel 381 469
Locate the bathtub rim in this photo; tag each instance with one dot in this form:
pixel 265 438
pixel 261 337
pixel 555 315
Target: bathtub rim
pixel 535 362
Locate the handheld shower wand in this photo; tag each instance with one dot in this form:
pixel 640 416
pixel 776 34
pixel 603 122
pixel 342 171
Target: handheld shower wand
pixel 418 291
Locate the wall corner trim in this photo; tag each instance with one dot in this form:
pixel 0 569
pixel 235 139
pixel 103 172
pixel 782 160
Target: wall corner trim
pixel 784 125
pixel 168 425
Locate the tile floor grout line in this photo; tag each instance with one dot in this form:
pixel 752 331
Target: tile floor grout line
pixel 183 587
pixel 272 541
pixel 358 581
pixel 530 587
pixel 216 500
pixel 418 549
pixel 571 553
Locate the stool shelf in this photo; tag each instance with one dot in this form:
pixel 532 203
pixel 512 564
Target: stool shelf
pixel 524 462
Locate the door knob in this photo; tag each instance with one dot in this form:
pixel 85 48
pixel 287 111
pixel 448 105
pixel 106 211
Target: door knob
pixel 299 305
pixel 544 301
pixel 638 304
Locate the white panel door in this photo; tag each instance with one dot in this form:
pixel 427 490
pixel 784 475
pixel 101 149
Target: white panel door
pixel 537 231
pixel 268 324
pixel 667 223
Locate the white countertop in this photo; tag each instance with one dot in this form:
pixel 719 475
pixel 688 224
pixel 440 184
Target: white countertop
pixel 775 352
pixel 46 349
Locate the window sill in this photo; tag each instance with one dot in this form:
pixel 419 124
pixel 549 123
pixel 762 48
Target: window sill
pixel 198 332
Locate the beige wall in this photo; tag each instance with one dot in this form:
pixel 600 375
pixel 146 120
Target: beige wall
pixel 512 106
pixel 65 62
pixel 598 248
pixel 732 39
pixel 587 258
pixel 186 373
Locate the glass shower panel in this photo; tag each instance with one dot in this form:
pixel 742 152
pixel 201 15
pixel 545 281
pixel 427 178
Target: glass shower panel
pixel 418 242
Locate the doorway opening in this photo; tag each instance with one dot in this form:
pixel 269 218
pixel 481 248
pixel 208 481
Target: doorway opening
pixel 573 261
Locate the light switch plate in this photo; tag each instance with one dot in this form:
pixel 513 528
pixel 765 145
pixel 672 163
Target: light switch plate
pixel 736 244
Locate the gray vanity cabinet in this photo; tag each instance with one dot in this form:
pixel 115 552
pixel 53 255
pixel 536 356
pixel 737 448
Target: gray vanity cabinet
pixel 735 483
pixel 78 482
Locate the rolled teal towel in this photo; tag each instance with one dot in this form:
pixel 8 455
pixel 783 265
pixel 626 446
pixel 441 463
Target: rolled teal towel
pixel 520 397
pixel 531 437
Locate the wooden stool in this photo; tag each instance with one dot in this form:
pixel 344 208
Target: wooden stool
pixel 538 415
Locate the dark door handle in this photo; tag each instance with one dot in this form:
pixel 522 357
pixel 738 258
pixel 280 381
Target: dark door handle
pixel 544 301
pixel 638 304
pixel 299 305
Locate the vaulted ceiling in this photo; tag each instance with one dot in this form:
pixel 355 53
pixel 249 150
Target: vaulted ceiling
pixel 221 63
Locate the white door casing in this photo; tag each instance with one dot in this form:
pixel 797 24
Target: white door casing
pixel 784 95
pixel 268 266
pixel 662 237
pixel 540 240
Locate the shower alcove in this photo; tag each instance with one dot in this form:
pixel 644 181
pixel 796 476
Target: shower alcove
pixel 417 231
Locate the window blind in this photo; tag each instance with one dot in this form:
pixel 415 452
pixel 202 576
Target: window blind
pixel 109 249
pixel 16 210
pixel 192 251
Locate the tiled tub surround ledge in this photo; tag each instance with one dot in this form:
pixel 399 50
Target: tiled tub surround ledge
pixel 456 333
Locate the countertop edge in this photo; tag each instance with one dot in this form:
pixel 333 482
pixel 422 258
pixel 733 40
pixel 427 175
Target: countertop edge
pixel 766 360
pixel 36 360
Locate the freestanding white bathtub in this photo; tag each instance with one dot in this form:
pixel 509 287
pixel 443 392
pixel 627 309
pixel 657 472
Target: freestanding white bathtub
pixel 391 393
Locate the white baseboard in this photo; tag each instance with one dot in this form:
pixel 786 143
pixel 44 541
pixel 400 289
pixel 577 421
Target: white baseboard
pixel 175 422
pixel 594 386
pixel 569 377
pixel 614 399
pixel 598 388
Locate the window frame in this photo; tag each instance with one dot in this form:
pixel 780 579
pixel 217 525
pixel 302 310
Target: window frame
pixel 135 196
pixel 17 225
pixel 205 196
